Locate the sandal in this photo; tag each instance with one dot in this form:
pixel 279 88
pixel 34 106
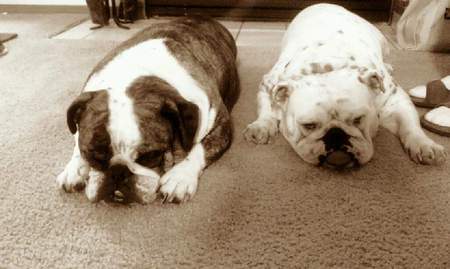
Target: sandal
pixel 434 93
pixel 3 49
pixel 438 120
pixel 3 38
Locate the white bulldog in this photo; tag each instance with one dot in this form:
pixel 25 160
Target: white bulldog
pixel 330 89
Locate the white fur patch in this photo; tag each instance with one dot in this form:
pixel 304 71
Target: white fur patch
pixel 134 167
pixel 94 183
pixel 197 157
pixel 342 39
pixel 149 58
pixel 123 127
pixel 211 118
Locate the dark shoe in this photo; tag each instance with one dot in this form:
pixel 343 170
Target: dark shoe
pixel 436 93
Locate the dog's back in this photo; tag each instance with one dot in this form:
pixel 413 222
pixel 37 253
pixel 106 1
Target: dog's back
pixel 200 45
pixel 332 24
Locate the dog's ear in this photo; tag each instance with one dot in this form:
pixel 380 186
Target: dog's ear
pixel 184 118
pixel 77 108
pixel 281 93
pixel 372 79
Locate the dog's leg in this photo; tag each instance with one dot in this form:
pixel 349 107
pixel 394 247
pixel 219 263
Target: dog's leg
pixel 400 117
pixel 76 172
pixel 94 184
pixel 265 127
pixel 180 183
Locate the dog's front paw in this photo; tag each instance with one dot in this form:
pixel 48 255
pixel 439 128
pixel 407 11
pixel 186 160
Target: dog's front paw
pixel 74 177
pixel 93 186
pixel 146 188
pixel 261 131
pixel 423 150
pixel 180 183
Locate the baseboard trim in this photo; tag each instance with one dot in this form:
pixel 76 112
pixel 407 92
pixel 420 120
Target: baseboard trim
pixel 234 13
pixel 43 9
pixel 269 14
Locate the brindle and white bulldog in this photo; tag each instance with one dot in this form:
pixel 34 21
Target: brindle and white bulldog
pixel 330 89
pixel 154 113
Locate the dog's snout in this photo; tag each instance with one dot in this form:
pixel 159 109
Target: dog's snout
pixel 120 172
pixel 335 139
pixel 120 186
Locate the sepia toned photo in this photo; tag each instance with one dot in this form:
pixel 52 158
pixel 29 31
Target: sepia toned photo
pixel 225 134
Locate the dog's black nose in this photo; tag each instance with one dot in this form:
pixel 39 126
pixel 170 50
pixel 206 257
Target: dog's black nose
pixel 120 186
pixel 119 172
pixel 335 139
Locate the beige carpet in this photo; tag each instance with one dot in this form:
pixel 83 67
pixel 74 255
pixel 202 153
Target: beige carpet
pixel 257 207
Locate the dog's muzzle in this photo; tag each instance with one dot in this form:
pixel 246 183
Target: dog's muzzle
pixel 337 156
pixel 121 179
pixel 120 188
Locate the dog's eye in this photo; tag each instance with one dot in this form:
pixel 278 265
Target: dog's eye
pixel 98 158
pixel 150 159
pixel 310 126
pixel 100 153
pixel 358 120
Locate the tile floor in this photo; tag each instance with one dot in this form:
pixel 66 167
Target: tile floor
pixel 77 27
pixel 245 33
pixel 36 25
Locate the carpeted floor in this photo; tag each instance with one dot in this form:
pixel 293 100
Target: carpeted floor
pixel 258 206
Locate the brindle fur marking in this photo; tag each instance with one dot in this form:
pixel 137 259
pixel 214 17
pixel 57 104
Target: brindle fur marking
pixel 208 51
pixel 202 46
pixel 164 117
pixel 90 112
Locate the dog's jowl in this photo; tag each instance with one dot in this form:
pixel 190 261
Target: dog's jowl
pixel 154 113
pixel 330 90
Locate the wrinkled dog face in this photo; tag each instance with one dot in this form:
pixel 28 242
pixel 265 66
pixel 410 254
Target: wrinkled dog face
pixel 329 118
pixel 128 142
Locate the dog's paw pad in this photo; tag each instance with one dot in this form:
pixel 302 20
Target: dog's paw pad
pixel 179 184
pixel 261 131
